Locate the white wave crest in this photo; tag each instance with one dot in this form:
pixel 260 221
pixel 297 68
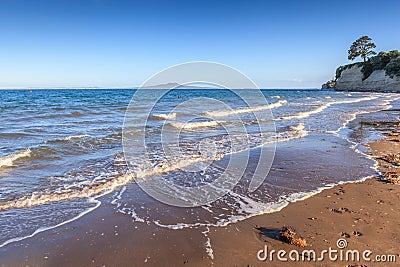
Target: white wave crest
pixel 40 198
pixel 296 131
pixel 324 106
pixel 194 125
pixel 167 116
pixel 224 113
pixel 68 138
pixel 8 161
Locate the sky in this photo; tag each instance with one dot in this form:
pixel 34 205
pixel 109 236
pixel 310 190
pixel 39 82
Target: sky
pixel 118 44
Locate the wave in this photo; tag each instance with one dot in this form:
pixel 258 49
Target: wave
pixel 86 190
pixel 306 114
pixel 324 106
pixel 248 207
pixel 224 113
pixel 68 138
pixel 167 116
pixel 36 198
pixel 294 132
pixel 8 161
pixel 109 184
pixel 194 125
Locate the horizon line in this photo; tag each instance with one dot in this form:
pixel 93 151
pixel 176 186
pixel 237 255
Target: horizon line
pixel 133 88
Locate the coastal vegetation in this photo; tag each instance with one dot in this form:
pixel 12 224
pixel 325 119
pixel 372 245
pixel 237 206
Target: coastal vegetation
pixel 362 47
pixel 289 236
pixel 387 63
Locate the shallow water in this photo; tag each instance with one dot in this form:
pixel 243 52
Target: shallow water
pixel 60 149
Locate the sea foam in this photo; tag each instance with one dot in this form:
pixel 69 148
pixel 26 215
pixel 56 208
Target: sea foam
pixel 305 114
pixel 8 161
pixel 165 116
pixel 194 125
pixel 224 113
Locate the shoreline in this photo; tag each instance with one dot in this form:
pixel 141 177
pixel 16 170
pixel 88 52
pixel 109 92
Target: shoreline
pixel 362 212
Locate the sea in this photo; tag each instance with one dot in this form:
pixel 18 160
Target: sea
pixel 62 152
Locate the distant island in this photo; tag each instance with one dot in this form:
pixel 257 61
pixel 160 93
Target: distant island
pixel 377 73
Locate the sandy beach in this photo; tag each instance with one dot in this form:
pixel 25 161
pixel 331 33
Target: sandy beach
pixel 364 214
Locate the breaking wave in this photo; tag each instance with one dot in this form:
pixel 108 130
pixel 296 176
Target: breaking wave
pixel 225 113
pixel 8 161
pixel 166 116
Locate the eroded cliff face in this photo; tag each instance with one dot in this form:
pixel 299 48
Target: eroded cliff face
pixel 351 79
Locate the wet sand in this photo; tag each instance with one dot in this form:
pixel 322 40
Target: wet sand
pixel 366 214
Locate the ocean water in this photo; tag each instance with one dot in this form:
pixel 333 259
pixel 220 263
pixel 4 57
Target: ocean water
pixel 61 152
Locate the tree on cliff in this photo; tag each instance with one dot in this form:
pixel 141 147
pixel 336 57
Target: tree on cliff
pixel 362 47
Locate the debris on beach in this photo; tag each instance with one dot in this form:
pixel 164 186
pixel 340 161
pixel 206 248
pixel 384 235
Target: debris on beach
pixel 341 210
pixel 289 236
pixel 392 159
pixel 393 133
pixel 344 234
pixel 356 233
pixel 391 177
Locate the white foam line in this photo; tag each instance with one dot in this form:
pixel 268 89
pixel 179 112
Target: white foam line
pixel 40 230
pixel 224 113
pixel 194 125
pixel 354 115
pixel 268 208
pixel 354 145
pixel 207 208
pixel 322 107
pixel 209 249
pixel 119 196
pixel 34 200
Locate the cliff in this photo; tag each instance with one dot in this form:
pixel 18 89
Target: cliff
pixel 380 73
pixel 352 79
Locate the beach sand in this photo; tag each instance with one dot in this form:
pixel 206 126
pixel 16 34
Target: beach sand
pixel 366 214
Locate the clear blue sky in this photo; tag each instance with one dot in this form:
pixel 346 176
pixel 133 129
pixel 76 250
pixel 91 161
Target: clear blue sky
pixel 111 43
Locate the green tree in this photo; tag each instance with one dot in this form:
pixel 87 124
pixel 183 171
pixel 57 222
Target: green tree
pixel 362 47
